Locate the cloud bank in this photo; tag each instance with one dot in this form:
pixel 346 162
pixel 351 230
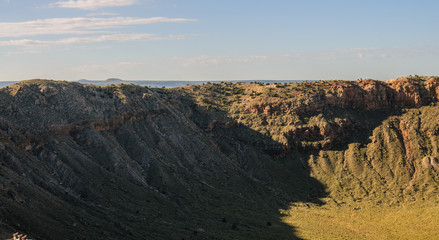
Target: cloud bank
pixel 92 39
pixel 79 25
pixel 92 4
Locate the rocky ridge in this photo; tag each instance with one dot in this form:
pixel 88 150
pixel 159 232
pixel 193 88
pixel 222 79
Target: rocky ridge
pixel 363 139
pixel 210 161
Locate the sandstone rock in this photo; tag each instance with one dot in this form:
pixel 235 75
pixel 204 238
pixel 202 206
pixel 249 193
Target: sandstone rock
pixel 430 162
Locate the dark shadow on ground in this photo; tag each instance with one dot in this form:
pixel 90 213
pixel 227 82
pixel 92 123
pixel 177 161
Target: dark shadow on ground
pixel 284 179
pixel 336 128
pixel 285 168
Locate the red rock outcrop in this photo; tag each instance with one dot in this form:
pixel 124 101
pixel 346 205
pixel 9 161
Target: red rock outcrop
pixel 361 94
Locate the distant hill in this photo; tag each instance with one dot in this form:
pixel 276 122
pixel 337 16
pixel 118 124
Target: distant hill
pixel 170 83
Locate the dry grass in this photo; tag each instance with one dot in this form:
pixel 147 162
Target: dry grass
pixel 410 221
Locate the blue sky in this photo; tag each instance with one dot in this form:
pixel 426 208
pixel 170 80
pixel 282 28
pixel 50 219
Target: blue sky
pixel 217 39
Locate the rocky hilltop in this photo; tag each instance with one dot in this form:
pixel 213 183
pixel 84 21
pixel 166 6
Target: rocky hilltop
pixel 212 161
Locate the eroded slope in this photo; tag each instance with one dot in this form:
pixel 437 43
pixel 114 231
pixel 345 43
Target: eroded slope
pixel 128 162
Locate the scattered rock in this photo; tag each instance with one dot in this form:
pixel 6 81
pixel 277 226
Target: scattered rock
pixel 430 162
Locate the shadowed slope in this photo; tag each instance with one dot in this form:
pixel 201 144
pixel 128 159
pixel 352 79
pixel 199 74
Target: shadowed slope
pixel 127 162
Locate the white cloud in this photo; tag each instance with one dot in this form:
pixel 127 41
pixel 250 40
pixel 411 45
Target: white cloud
pixel 376 53
pixel 332 55
pixel 91 39
pixel 80 25
pixel 92 4
pixel 24 51
pixel 220 60
pixel 108 67
pixel 100 14
pixel 126 70
pixel 335 55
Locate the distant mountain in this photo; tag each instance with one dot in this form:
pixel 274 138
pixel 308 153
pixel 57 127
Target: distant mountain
pixel 109 81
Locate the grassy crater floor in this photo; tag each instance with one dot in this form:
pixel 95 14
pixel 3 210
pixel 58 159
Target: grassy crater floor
pixel 409 221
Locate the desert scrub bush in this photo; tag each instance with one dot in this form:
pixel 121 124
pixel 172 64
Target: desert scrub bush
pixel 414 79
pixel 273 94
pixel 237 90
pixel 202 99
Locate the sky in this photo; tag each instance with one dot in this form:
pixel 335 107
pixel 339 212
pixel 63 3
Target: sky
pixel 218 39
